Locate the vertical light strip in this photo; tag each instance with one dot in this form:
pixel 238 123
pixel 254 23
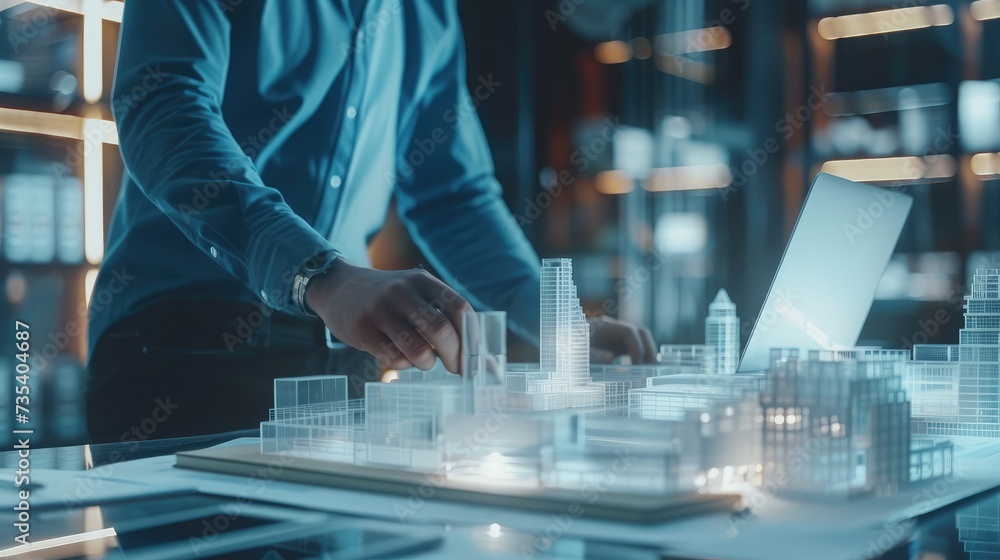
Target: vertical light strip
pixel 93 74
pixel 113 11
pixel 93 192
pixel 88 286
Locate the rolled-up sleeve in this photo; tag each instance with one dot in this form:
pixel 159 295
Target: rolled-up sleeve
pixel 453 207
pixel 172 66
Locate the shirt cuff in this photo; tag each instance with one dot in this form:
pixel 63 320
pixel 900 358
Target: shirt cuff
pixel 278 254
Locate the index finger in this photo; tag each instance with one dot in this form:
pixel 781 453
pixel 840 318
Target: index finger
pixel 649 344
pixel 445 299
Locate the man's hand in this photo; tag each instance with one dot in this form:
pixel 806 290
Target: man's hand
pixel 403 318
pixel 611 337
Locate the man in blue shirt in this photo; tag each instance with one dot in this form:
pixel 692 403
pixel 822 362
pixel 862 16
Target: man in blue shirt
pixel 262 141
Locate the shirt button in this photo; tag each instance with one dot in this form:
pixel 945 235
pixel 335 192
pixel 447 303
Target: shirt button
pixel 214 252
pixel 352 112
pixel 263 295
pixel 335 181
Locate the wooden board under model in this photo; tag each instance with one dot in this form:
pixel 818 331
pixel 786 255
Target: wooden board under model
pixel 247 460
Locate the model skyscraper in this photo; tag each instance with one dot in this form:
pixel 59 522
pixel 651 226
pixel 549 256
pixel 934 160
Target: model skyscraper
pixel 956 389
pixel 565 336
pixel 722 332
pixel 563 378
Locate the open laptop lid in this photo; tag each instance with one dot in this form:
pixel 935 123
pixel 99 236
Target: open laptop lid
pixel 832 265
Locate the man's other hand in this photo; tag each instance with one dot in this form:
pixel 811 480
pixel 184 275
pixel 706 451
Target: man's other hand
pixel 403 318
pixel 610 338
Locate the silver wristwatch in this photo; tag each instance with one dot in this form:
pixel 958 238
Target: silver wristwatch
pixel 314 267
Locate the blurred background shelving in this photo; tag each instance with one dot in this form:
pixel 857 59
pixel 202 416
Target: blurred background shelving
pixel 59 175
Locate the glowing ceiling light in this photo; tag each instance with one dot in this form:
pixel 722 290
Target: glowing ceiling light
pixel 613 182
pixel 689 177
pixel 885 21
pixel 694 40
pixel 983 10
pixel 54 124
pixel 612 52
pixel 684 67
pixel 985 164
pixel 898 169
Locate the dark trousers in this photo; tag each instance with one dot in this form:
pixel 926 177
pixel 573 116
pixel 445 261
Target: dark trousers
pixel 191 367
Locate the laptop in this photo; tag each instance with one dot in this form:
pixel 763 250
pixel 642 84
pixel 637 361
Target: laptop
pixel 826 282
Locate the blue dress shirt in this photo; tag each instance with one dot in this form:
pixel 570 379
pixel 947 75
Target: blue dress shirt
pixel 258 133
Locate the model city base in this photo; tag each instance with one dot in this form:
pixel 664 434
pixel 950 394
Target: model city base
pixel 830 423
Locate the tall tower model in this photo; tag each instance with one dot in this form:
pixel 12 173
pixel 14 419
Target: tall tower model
pixel 979 357
pixel 722 332
pixel 565 335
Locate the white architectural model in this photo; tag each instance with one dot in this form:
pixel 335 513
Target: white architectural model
pixel 979 529
pixel 956 388
pixel 561 422
pixel 692 358
pixel 722 332
pixel 838 423
pixel 564 377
